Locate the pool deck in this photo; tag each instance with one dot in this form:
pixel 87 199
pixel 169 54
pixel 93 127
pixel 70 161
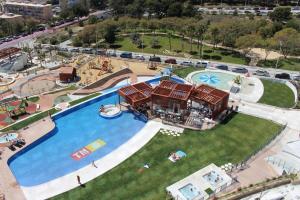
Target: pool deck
pixel 8 183
pixel 89 172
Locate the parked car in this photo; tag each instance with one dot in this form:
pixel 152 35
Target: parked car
pixel 241 70
pixel 100 52
pixel 87 50
pixel 74 50
pixel 171 61
pixel 154 59
pixel 139 57
pixel 283 76
pixel 63 49
pixel 126 55
pixel 296 78
pixel 187 63
pixel 222 67
pixel 111 54
pixel 202 63
pixel 261 73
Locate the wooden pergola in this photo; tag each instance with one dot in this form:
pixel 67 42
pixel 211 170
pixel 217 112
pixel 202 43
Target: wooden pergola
pixel 8 52
pixel 171 95
pixel 136 94
pixel 216 100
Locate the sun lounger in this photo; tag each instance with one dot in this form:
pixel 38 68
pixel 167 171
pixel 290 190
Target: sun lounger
pixel 177 156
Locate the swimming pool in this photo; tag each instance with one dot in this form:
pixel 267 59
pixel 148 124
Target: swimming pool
pixel 80 137
pixel 189 191
pixel 78 128
pixel 8 137
pixel 220 80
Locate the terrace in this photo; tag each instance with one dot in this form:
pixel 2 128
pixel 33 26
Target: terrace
pixel 177 103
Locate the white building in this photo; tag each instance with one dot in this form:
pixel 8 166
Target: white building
pixel 201 184
pixel 12 59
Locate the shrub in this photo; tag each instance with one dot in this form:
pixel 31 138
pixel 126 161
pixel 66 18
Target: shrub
pixel 208 51
pixel 216 57
pixel 206 57
pixel 239 189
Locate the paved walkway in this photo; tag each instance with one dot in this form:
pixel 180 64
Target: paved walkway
pixel 279 115
pixel 8 182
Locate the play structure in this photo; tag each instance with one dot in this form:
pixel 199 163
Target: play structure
pixel 152 65
pixel 103 64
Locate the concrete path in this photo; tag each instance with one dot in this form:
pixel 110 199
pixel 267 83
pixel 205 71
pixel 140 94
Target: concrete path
pixel 279 115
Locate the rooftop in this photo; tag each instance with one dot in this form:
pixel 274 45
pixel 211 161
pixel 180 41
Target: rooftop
pixel 8 52
pixel 208 94
pixel 66 69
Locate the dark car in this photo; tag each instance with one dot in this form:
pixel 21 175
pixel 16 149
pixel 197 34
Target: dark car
pixel 222 67
pixel 87 50
pixel 126 55
pixel 240 70
pixel 154 59
pixel 283 76
pixel 171 61
pixel 100 52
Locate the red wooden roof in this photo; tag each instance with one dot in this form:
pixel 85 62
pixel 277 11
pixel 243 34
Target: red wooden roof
pixel 8 51
pixel 209 94
pixel 173 90
pixel 137 93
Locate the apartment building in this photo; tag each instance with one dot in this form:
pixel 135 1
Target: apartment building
pixel 40 11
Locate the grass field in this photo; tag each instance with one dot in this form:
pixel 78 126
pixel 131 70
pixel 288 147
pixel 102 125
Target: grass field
pixel 223 55
pixel 184 71
pixel 232 142
pixel 288 64
pixel 277 94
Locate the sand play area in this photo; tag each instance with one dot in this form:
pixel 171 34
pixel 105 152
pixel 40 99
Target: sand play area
pixel 92 68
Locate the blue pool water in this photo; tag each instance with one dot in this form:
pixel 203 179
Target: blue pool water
pixel 51 156
pixel 218 80
pixel 189 192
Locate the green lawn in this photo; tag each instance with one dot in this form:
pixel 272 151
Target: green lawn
pixel 277 94
pixel 288 64
pixel 230 142
pixel 223 55
pixel 184 71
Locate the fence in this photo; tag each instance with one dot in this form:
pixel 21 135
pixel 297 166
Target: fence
pixel 261 147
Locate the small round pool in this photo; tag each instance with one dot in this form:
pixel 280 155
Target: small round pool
pixel 110 111
pixel 220 80
pixel 8 137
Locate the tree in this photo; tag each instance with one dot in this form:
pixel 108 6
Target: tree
pixel 200 30
pixel 215 36
pixel 110 33
pixel 281 14
pixel 174 9
pixel 189 10
pixel 190 29
pixel 136 9
pixel 267 45
pixel 170 35
pixel 92 19
pixel 29 52
pixel 288 41
pixel 246 42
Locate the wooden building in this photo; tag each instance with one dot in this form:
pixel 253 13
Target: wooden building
pixel 67 74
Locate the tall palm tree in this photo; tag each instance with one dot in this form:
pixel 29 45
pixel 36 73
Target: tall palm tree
pixel 200 31
pixel 29 52
pixel 190 32
pixel 170 34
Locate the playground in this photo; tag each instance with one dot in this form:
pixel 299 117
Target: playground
pixel 15 110
pixel 93 69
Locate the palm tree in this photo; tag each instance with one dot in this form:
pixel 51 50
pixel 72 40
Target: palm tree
pixel 169 34
pixel 215 32
pixel 29 52
pixel 182 34
pixel 200 30
pixel 190 32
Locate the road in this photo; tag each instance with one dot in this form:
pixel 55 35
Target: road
pixel 251 69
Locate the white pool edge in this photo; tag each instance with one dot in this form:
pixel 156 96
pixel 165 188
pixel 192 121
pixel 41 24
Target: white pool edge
pixel 87 173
